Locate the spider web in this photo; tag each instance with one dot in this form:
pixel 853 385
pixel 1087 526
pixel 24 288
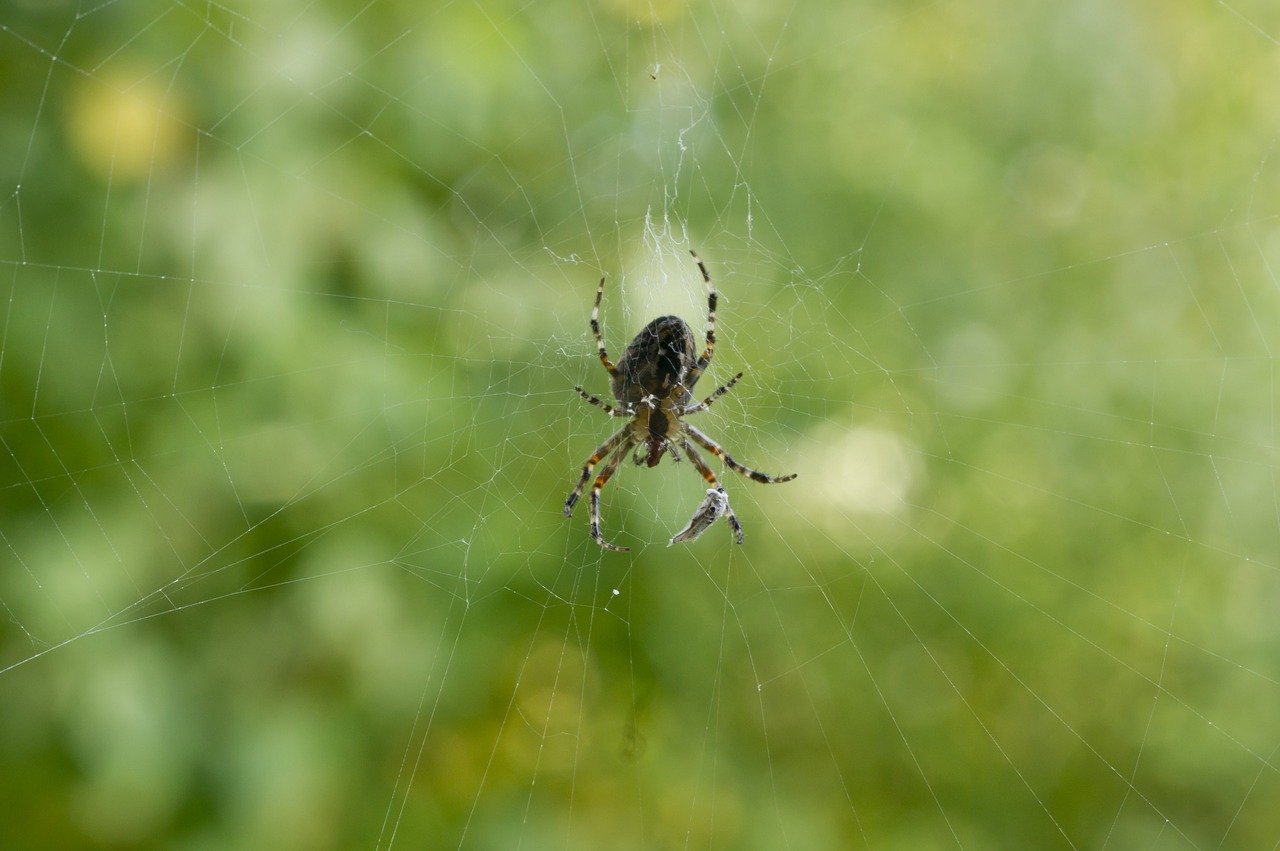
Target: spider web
pixel 296 296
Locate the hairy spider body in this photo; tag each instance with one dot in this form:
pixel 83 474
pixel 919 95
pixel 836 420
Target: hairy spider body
pixel 660 362
pixel 653 384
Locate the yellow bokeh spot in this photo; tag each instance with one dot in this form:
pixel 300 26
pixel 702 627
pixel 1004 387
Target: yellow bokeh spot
pixel 124 132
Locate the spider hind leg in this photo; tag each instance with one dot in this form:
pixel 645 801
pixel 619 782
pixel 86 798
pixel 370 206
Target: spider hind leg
pixel 595 330
pixel 711 314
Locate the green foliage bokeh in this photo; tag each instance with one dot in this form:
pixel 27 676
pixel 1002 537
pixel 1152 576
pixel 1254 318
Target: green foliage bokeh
pixel 295 296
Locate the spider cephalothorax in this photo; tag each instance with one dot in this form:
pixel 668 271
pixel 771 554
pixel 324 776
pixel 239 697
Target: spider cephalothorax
pixel 653 385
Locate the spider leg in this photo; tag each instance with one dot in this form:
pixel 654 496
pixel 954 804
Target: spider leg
pixel 620 438
pixel 595 329
pixel 715 449
pixel 696 460
pixel 706 403
pixel 610 468
pixel 711 317
pixel 608 409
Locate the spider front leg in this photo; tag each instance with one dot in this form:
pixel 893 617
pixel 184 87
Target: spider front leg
pixel 610 468
pixel 696 460
pixel 715 449
pixel 620 438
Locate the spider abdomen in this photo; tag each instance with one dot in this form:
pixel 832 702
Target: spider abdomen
pixel 659 364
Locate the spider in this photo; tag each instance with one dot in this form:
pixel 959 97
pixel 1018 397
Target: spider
pixel 653 385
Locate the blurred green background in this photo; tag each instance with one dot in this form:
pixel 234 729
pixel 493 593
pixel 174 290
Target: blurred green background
pixel 293 299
